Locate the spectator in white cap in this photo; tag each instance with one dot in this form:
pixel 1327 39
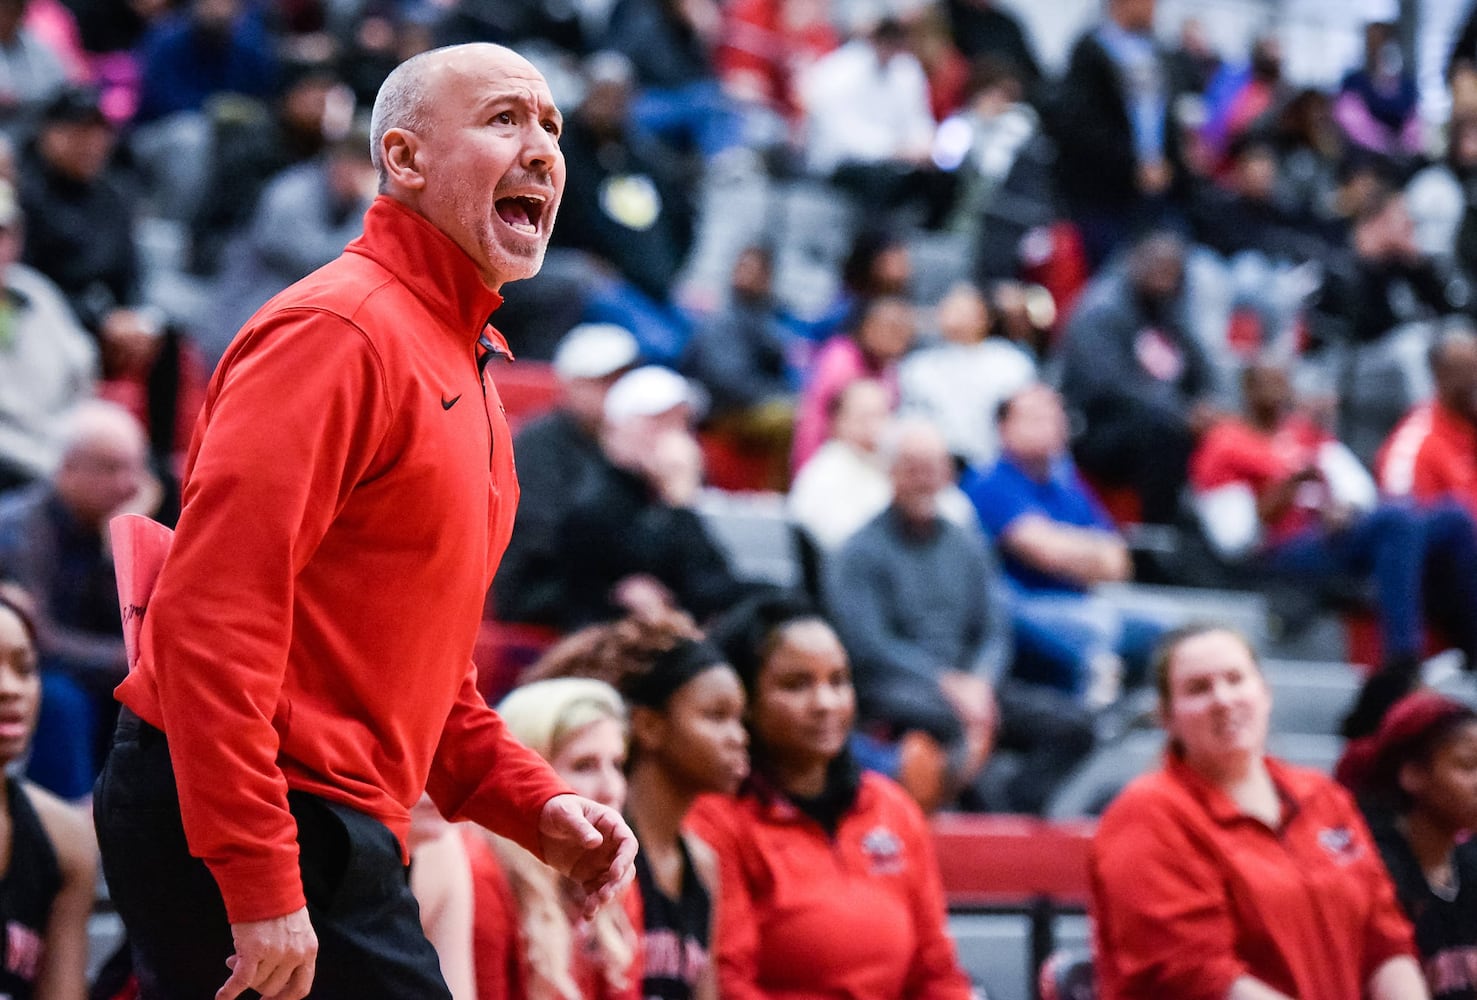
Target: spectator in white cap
pixel 630 540
pixel 554 451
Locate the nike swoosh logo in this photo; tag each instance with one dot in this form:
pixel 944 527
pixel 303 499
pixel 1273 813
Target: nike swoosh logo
pixel 447 404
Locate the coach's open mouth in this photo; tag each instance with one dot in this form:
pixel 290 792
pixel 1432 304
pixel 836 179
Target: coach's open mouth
pixel 522 212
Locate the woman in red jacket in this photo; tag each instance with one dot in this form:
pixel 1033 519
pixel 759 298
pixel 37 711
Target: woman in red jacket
pixel 1229 874
pixel 527 940
pixel 828 885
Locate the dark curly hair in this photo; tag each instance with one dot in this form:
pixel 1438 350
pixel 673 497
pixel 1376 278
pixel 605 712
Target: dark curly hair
pixel 624 653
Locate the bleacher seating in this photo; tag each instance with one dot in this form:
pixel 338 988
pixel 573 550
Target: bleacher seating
pixel 754 531
pixel 1309 696
pixel 1017 888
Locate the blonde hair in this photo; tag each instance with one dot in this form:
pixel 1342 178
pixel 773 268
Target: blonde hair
pixel 544 716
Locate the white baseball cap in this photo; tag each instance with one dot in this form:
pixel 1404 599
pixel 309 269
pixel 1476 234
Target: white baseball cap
pixel 595 350
pixel 649 391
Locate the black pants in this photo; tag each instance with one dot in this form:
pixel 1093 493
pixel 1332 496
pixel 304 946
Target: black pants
pixel 370 942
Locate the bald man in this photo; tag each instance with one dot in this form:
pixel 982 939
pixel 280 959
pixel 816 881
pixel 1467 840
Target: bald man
pixel 305 668
pixel 52 543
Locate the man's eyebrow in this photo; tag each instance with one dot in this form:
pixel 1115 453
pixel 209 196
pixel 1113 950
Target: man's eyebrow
pixel 519 98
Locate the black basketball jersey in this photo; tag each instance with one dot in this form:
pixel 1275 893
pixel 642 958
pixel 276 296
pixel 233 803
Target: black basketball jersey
pixel 675 932
pixel 27 890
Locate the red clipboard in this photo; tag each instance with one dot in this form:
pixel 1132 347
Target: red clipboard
pixel 140 545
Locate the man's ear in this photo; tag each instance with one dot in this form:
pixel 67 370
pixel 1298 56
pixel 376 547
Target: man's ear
pixel 400 151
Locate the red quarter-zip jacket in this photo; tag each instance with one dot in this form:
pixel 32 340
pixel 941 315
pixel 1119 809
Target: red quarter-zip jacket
pixel 805 916
pixel 1190 893
pixel 349 491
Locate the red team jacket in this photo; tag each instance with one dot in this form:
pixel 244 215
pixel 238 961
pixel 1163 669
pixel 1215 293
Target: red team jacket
pixel 802 915
pixel 1189 893
pixel 347 498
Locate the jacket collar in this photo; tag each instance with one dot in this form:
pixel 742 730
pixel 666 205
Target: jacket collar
pixel 432 266
pixel 1293 788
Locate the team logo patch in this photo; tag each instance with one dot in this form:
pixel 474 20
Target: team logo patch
pixel 884 851
pixel 1340 844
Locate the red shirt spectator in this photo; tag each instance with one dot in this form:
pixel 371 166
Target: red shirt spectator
pixel 1203 894
pixel 1231 874
pixel 859 914
pixel 1432 453
pixel 1235 452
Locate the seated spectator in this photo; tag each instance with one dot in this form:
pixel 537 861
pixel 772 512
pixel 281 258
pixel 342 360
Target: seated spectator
pixel 827 879
pixel 47 361
pixel 51 543
pixel 627 208
pixel 884 331
pixel 1253 247
pixel 687 740
pixel 741 356
pixel 80 233
pixel 868 125
pixel 1414 782
pixel 251 142
pixel 554 453
pixel 1194 62
pixel 1385 279
pixel 1312 152
pixel 51 852
pixel 959 384
pixel 1278 489
pixel 1056 544
pixel 1228 873
pixel 1440 201
pixel 1432 454
pixel 630 538
pixel 1239 96
pixel 191 57
pixel 671 47
pixel 846 483
pixel 1002 160
pixel 1378 105
pixel 946 70
pixel 877 264
pixel 1136 379
pixel 529 941
pixel 210 47
pixel 926 620
pixel 1244 216
pixel 306 216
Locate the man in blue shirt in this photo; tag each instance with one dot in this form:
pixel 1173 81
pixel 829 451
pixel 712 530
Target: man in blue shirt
pixel 1057 543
